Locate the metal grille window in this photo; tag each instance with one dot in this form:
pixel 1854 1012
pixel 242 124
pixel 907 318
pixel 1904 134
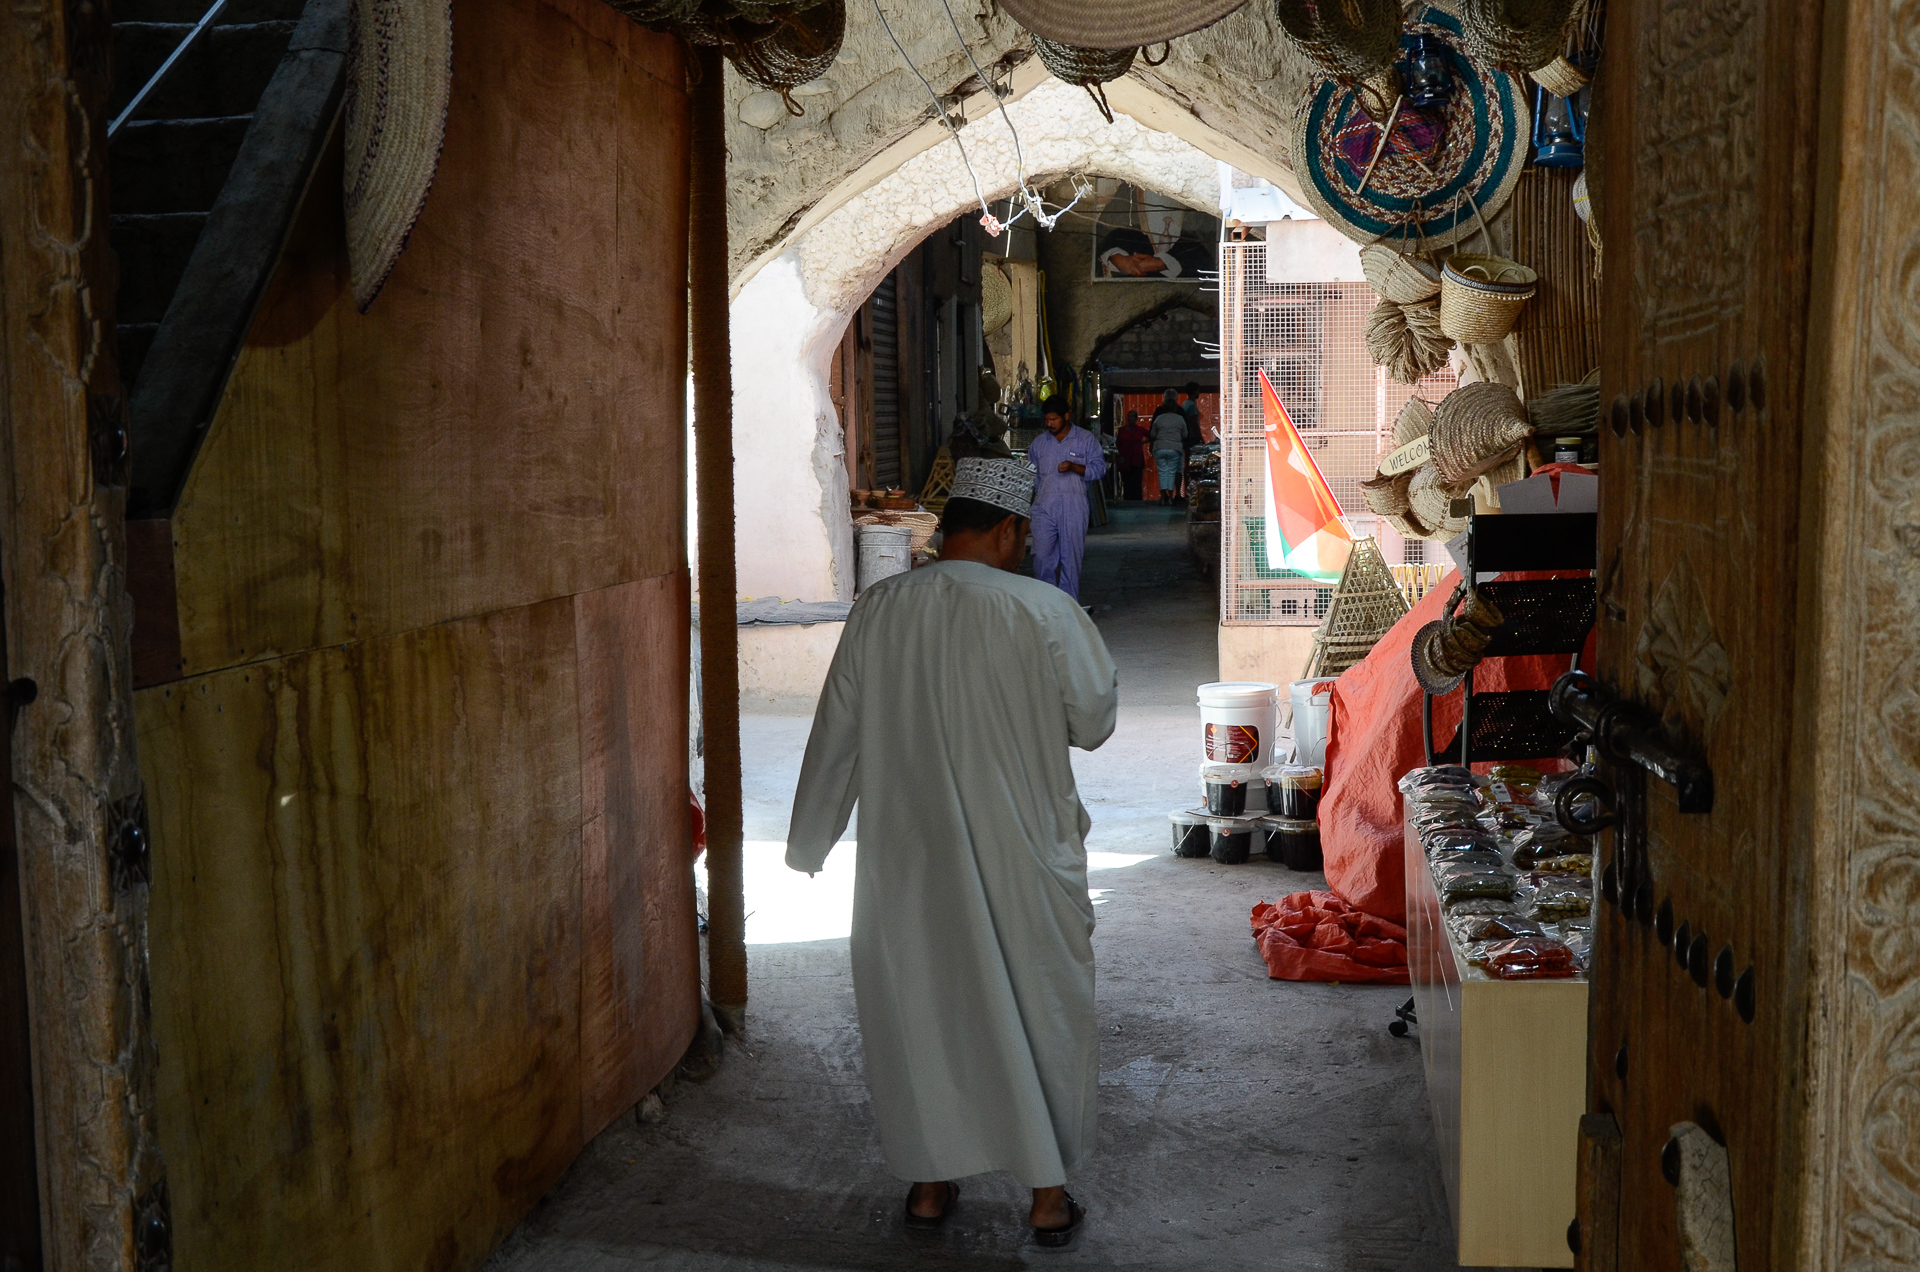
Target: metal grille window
pixel 1309 339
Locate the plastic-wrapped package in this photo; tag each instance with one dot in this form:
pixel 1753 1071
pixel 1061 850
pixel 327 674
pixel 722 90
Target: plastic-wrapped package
pixel 1421 779
pixel 1456 883
pixel 1484 858
pixel 1479 905
pixel 1446 797
pixel 1577 935
pixel 1545 837
pixel 1553 897
pixel 1492 927
pixel 1505 817
pixel 1528 958
pixel 1516 774
pixel 1573 863
pixel 1458 839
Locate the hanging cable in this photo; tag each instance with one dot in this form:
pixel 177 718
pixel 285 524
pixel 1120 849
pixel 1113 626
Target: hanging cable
pixel 1032 201
pixel 993 224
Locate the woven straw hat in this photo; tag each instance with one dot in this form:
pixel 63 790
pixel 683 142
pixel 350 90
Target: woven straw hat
pixel 1404 280
pixel 1415 420
pixel 1432 502
pixel 1476 427
pixel 1441 163
pixel 1387 496
pixel 399 82
pixel 1518 34
pixel 1116 24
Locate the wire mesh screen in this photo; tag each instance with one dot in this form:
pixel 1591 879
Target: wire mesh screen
pixel 1309 339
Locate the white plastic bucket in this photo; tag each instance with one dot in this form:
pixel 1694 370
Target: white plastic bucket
pixel 1238 720
pixel 1312 702
pixel 884 552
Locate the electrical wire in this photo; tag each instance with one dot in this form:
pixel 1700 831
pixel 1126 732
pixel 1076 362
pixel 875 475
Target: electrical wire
pixel 987 217
pixel 1032 201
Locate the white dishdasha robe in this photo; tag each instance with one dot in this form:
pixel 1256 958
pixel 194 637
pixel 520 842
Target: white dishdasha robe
pixel 953 697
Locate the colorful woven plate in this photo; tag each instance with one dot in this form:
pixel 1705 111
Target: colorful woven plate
pixel 1440 164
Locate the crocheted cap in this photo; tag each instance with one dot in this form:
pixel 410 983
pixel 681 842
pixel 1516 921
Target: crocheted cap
pixel 1004 483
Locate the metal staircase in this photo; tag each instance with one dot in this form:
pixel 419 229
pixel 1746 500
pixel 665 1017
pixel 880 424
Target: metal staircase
pixel 206 176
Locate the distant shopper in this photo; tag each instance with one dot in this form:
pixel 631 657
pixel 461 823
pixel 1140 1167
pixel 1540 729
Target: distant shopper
pixel 1133 456
pixel 1191 409
pixel 947 713
pixel 1168 438
pixel 1066 457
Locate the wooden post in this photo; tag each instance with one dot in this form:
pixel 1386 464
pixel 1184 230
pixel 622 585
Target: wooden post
pixel 63 477
pixel 1598 1216
pixel 707 277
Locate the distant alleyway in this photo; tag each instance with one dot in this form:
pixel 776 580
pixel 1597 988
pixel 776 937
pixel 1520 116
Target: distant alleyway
pixel 1245 1123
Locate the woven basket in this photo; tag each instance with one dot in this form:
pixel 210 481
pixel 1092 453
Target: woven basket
pixel 1481 297
pixel 1516 34
pixel 1351 40
pixel 1414 421
pixel 657 13
pixel 794 50
pixel 1559 77
pixel 1387 496
pixel 920 525
pixel 1083 67
pixel 1404 280
pixel 1406 340
pixel 1432 501
pixel 1476 427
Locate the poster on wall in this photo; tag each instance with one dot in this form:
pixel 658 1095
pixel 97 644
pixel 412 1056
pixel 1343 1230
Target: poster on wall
pixel 1140 236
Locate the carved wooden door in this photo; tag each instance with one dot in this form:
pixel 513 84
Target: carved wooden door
pixel 1703 154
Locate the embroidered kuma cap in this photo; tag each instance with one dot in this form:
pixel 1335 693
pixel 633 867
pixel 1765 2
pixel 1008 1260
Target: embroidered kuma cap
pixel 1004 483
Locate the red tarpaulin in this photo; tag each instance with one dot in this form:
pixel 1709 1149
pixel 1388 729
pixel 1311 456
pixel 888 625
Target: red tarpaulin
pixel 1374 739
pixel 1315 936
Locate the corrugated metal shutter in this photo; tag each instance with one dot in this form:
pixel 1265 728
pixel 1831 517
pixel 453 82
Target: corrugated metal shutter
pixel 886 385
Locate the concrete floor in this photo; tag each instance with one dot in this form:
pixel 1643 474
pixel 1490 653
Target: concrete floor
pixel 1244 1122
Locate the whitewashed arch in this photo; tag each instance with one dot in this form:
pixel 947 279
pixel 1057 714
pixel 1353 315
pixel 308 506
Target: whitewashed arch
pixel 795 537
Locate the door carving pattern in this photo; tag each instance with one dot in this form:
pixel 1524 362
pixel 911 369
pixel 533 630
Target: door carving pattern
pixel 1868 1078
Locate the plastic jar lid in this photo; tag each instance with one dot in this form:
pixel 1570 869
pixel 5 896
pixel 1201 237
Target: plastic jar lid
pixel 1227 774
pixel 1231 825
pixel 1298 777
pixel 1186 819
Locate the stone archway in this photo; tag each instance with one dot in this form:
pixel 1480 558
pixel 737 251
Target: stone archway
pixel 795 534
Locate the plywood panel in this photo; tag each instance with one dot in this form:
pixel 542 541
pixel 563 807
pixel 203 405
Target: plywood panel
pixel 505 425
pixel 365 945
pixel 640 962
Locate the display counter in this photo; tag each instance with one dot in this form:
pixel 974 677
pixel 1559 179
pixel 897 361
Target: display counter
pixel 1506 1064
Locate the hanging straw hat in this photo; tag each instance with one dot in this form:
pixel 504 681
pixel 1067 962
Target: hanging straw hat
pixel 399 82
pixel 1517 34
pixel 1432 503
pixel 1353 40
pixel 1402 279
pixel 1476 427
pixel 1414 421
pixel 1443 167
pixel 1116 24
pixel 1387 496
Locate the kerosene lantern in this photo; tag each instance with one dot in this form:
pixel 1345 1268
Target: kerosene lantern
pixel 1559 131
pixel 1426 75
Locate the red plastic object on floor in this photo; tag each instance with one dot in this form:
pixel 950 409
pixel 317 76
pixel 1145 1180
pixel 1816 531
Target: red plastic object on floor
pixel 1315 936
pixel 1374 739
pixel 699 815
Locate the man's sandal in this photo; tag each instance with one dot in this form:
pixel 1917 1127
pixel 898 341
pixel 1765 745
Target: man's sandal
pixel 1056 1238
pixel 927 1222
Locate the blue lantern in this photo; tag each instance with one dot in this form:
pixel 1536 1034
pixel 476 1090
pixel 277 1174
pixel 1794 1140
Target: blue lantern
pixel 1559 129
pixel 1426 76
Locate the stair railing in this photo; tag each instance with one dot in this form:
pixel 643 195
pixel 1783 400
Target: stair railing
pixel 206 20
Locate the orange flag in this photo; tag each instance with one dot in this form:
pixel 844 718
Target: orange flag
pixel 1306 531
